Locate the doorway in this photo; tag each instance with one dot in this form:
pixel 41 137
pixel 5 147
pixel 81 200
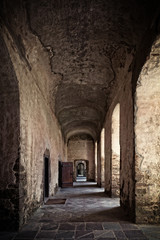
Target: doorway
pixel 80 170
pixel 81 167
pixel 46 177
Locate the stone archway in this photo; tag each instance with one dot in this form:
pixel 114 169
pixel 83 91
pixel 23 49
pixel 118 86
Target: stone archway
pixel 81 168
pixel 147 139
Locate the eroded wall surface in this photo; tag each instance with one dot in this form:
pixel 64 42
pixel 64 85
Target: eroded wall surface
pixel 147 139
pixel 82 148
pixel 39 130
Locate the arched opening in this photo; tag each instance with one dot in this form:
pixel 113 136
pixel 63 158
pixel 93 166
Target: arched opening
pixel 81 169
pixel 102 150
pixel 147 139
pixel 116 151
pixel 80 150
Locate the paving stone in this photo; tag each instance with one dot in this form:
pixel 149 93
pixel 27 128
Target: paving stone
pixel 45 220
pixel 120 234
pixel 84 234
pixel 112 225
pixel 129 226
pixel 46 239
pixel 64 234
pixel 26 234
pixel 134 234
pixel 94 226
pixel 140 238
pixel 107 238
pixel 151 231
pixel 122 238
pixel 103 234
pixel 67 226
pixel 23 238
pixel 32 226
pixel 81 226
pixel 46 234
pixel 49 226
pixel 83 238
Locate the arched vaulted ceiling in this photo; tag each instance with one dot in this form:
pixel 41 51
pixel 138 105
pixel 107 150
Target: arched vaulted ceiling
pixel 88 42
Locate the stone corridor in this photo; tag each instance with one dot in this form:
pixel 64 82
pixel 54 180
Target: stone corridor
pixel 87 214
pixel 79 97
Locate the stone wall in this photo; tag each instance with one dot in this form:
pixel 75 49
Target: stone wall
pixel 9 141
pixel 122 95
pixel 82 148
pixel 147 141
pixel 39 129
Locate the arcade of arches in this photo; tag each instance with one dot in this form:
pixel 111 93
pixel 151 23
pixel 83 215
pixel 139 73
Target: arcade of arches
pixel 80 83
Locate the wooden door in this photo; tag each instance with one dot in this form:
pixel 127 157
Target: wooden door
pixel 67 174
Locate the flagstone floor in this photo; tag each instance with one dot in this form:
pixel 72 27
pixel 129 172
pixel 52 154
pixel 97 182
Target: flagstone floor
pixel 87 214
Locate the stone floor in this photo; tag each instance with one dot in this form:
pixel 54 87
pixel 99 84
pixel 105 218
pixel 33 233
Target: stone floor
pixel 87 214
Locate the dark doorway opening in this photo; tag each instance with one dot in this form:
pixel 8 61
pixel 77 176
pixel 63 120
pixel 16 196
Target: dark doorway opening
pixel 46 177
pixel 80 170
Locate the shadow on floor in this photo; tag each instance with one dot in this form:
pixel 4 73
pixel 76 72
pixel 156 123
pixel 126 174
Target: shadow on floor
pixel 115 214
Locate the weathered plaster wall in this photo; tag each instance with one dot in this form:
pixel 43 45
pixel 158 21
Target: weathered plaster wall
pixel 82 148
pixel 39 129
pixel 147 139
pixel 123 95
pixel 115 151
pixel 9 141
